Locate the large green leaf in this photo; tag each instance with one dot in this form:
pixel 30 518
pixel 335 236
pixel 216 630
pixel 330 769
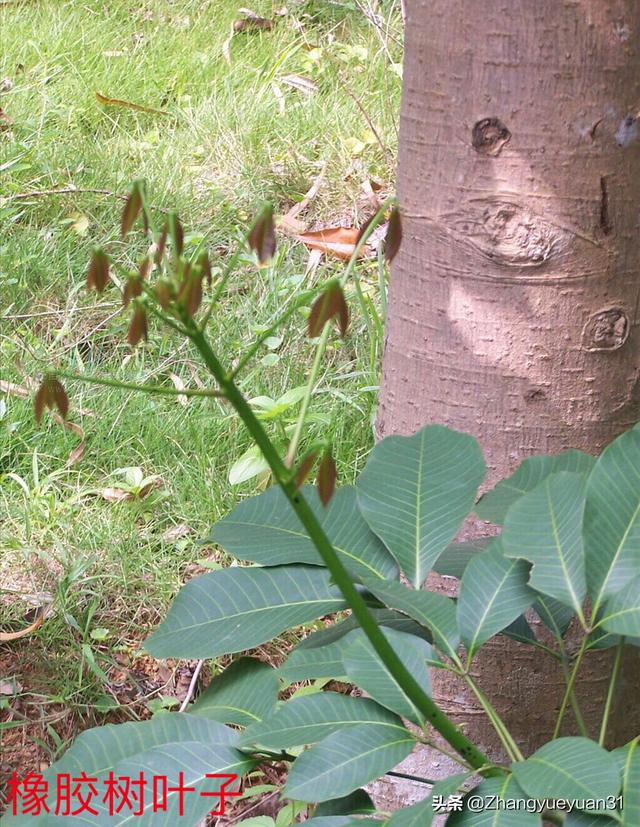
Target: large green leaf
pixel 310 718
pixel 357 802
pixel 493 593
pixel 266 530
pixel 246 692
pixel 555 616
pixel 382 617
pixel 576 818
pixel 520 630
pixel 416 491
pixel 165 745
pixel 496 802
pixel 434 611
pixel 423 813
pixel 346 760
pixel 238 608
pixel 320 654
pixel 494 505
pixel 569 768
pixel 343 821
pixel 545 528
pixel 621 614
pixel 364 667
pixel 456 556
pixel 612 518
pixel 628 758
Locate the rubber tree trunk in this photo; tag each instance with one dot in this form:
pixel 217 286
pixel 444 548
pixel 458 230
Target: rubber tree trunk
pixel 514 300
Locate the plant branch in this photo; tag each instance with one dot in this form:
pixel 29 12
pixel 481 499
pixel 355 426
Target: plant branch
pixel 132 386
pixel 610 693
pixel 570 685
pixel 432 713
pixel 500 727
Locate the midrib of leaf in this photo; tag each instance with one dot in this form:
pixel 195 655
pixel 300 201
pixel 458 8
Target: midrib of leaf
pixel 554 527
pixel 472 648
pixel 360 755
pixel 417 577
pixel 616 556
pixel 302 536
pixel 562 771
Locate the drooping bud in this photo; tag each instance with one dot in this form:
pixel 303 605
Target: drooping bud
pixel 190 295
pixel 50 394
pixel 331 303
pixel 164 293
pixel 98 272
pixel 393 238
pixel 177 234
pixel 327 475
pixel 138 328
pixel 262 238
pixel 131 210
pixel 304 469
pixel 132 289
pixel 162 243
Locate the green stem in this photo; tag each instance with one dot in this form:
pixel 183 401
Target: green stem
pixel 513 751
pixel 306 399
pixel 131 386
pixel 433 715
pixel 324 336
pixel 255 347
pixel 570 685
pixel 610 693
pixel 574 701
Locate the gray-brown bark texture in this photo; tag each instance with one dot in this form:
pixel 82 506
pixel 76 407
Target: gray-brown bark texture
pixel 514 299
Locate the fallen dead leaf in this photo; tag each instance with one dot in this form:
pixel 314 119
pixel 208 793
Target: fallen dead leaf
pixel 301 83
pixel 7 636
pixel 179 385
pixel 10 687
pixel 5 121
pixel 137 107
pixel 116 495
pixel 333 241
pixel 176 532
pixel 75 455
pixel 14 390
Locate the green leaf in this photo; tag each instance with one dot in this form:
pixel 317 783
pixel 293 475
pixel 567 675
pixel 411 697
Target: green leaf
pixel 310 718
pixel 423 813
pixel 520 630
pixel 554 615
pixel 570 768
pixel 165 745
pixel 415 492
pixel 313 663
pixel 621 614
pixel 343 821
pixel 455 558
pixel 434 611
pixel 249 465
pixel 346 760
pixel 246 692
pixel 383 617
pixel 357 802
pixel 494 505
pixel 579 819
pixel 266 530
pixel 612 518
pixel 629 760
pixel 364 667
pixel 493 593
pixel 545 528
pixel 238 608
pixel 481 808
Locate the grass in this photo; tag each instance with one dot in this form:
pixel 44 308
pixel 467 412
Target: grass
pixel 233 136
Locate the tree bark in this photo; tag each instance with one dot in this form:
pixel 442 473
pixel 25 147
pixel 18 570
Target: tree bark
pixel 514 299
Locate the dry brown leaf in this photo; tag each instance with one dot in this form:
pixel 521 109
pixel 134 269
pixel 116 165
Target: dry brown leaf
pixel 308 197
pixel 179 386
pixel 248 24
pixel 289 225
pixel 301 83
pixel 176 532
pixel 116 495
pixel 7 636
pixel 14 390
pixel 313 262
pixel 76 455
pixel 10 687
pixel 137 107
pixel 332 241
pixel 5 121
